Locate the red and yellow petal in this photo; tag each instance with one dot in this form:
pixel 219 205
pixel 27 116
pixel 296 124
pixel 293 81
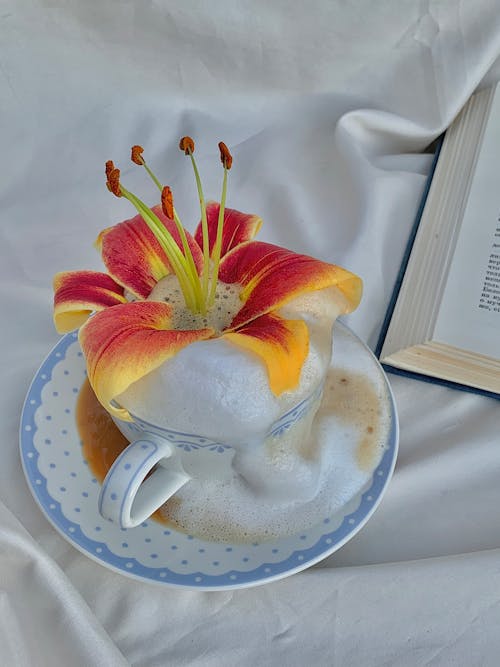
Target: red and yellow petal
pixel 283 346
pixel 133 256
pixel 238 227
pixel 79 293
pixel 124 344
pixel 271 276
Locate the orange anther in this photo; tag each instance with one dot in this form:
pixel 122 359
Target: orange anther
pixel 113 182
pixel 136 155
pixel 186 144
pixel 109 167
pixel 167 202
pixel 225 156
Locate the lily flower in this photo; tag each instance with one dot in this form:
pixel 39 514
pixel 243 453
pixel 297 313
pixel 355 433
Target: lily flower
pixel 165 289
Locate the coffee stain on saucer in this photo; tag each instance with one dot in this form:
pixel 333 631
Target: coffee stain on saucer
pixel 102 442
pixel 352 398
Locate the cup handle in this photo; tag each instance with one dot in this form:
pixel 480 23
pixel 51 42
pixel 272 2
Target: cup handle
pixel 127 497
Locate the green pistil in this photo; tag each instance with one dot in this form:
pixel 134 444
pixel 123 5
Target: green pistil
pixel 218 241
pixel 193 276
pixel 201 305
pixel 204 227
pixel 168 244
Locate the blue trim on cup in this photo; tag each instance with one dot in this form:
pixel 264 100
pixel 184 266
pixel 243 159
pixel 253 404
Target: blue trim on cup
pixel 191 441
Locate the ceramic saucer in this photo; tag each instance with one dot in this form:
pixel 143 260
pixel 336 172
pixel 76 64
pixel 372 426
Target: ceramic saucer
pixel 66 491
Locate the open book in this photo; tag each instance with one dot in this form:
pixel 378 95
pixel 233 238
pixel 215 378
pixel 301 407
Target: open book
pixel 444 319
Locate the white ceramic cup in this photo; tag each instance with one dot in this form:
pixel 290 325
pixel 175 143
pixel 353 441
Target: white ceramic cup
pixel 159 461
pixel 222 419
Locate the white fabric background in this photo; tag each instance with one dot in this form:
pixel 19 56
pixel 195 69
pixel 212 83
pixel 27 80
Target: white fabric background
pixel 328 108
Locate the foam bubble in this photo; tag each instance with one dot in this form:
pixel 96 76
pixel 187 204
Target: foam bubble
pixel 227 303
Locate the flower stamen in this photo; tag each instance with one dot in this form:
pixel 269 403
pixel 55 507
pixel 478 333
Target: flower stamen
pixel 178 261
pixel 199 292
pixel 136 157
pixel 167 204
pixel 170 212
pixel 186 144
pixel 227 161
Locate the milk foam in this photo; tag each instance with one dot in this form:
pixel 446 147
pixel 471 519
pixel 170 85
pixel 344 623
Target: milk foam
pixel 327 472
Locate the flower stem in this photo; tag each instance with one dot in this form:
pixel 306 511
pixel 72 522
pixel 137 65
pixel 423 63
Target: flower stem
pixel 204 226
pixel 153 177
pixel 218 241
pixel 201 305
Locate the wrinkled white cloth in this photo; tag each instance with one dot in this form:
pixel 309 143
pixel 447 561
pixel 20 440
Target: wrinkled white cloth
pixel 329 109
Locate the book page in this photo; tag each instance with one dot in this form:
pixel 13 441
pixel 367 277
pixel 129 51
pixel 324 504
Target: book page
pixel 469 314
